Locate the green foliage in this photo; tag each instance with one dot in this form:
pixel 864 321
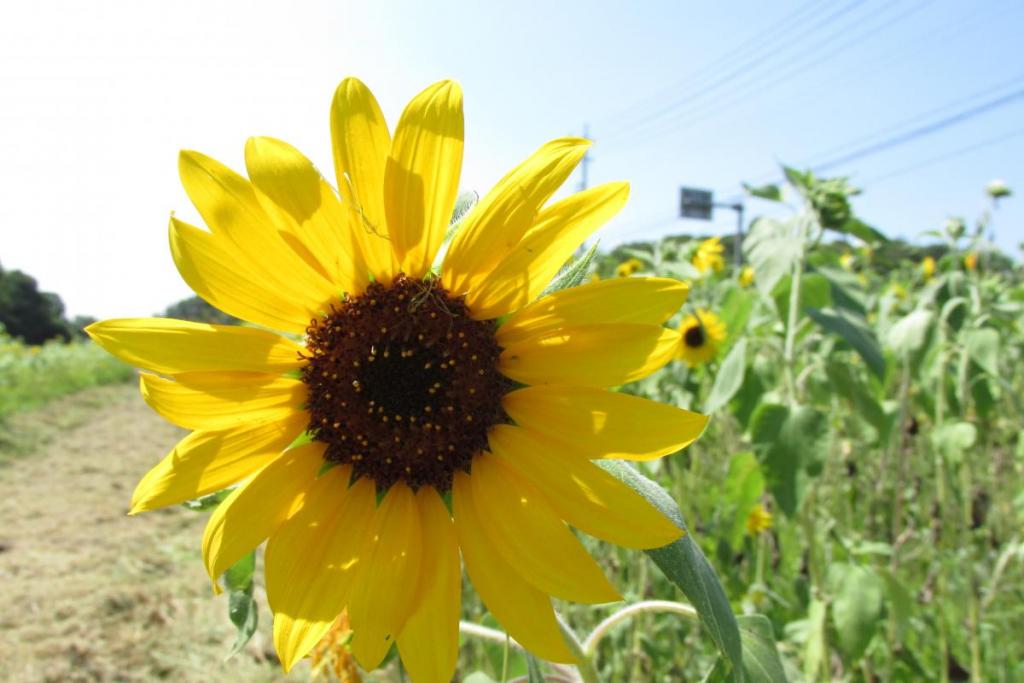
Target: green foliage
pixel 197 310
pixel 26 313
pixel 32 375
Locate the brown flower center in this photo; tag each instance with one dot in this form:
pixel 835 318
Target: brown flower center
pixel 403 383
pixel 694 336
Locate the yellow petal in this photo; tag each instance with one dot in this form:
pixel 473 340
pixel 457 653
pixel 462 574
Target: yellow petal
pixel 361 146
pixel 494 226
pixel 208 461
pixel 254 511
pixel 650 300
pixel 429 643
pixel 421 179
pixel 384 590
pixel 590 355
pixel 171 346
pixel 211 267
pixel 604 424
pixel 523 610
pixel 222 400
pixel 311 559
pixel 531 536
pixel 583 494
pixel 522 275
pixel 287 180
pixel 231 208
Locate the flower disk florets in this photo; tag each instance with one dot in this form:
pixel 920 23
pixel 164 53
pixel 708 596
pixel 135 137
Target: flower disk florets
pixel 403 384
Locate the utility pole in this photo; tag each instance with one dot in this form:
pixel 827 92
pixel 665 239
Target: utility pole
pixel 585 163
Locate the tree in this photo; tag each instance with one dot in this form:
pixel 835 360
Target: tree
pixel 27 313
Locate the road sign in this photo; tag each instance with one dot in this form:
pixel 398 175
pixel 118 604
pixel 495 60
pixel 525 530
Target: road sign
pixel 694 203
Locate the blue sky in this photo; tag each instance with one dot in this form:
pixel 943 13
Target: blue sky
pixel 98 98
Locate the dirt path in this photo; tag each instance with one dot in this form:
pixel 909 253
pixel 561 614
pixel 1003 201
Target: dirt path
pixel 90 594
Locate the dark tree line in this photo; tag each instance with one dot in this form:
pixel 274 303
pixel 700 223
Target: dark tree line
pixel 30 315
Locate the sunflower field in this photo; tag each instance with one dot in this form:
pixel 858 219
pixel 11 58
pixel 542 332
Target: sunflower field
pixel 858 486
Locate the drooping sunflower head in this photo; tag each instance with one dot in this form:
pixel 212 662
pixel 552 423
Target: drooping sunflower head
pixel 397 431
pixel 701 334
pixel 708 256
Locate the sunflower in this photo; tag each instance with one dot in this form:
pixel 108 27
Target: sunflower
pixel 971 261
pixel 928 267
pixel 405 428
pixel 759 520
pixel 629 267
pixel 709 256
pixel 746 276
pixel 701 333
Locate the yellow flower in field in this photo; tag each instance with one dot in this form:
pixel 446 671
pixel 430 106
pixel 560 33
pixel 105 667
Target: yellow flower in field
pixel 709 256
pixel 746 276
pixel 846 261
pixel 971 261
pixel 928 267
pixel 629 267
pixel 702 332
pixel 429 431
pixel 331 658
pixel 759 520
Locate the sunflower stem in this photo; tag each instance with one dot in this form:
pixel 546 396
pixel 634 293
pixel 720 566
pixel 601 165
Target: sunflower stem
pixel 602 629
pixel 584 664
pixel 789 350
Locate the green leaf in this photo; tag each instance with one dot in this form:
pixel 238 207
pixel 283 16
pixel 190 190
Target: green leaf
pixel 239 576
pixel 773 247
pixel 847 292
pixel 207 502
pixel 685 565
pixel 855 332
pixel 770 192
pixel 244 614
pixel 466 200
pixel 953 439
pixel 761 660
pixel 729 378
pixel 909 334
pixel 791 445
pixel 848 384
pixel 857 605
pixel 735 310
pixel 983 348
pixel 815 291
pixel 574 273
pixel 861 230
pixel 744 485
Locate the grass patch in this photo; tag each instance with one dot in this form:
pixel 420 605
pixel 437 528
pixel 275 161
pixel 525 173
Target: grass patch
pixel 31 376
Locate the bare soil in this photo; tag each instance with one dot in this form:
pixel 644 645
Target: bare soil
pixel 88 593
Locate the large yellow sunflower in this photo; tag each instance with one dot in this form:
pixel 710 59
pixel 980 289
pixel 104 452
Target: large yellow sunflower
pixel 431 431
pixel 701 334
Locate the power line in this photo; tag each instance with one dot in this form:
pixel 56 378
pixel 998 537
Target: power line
pixel 747 67
pixel 787 23
pixel 988 142
pixel 800 63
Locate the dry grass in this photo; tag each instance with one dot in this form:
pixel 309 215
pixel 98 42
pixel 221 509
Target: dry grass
pixel 88 593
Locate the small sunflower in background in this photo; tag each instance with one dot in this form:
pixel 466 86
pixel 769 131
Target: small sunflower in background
pixel 747 276
pixel 406 433
pixel 629 267
pixel 847 260
pixel 759 520
pixel 708 256
pixel 971 261
pixel 928 267
pixel 702 332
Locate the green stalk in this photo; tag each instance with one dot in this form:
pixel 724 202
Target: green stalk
pixel 789 349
